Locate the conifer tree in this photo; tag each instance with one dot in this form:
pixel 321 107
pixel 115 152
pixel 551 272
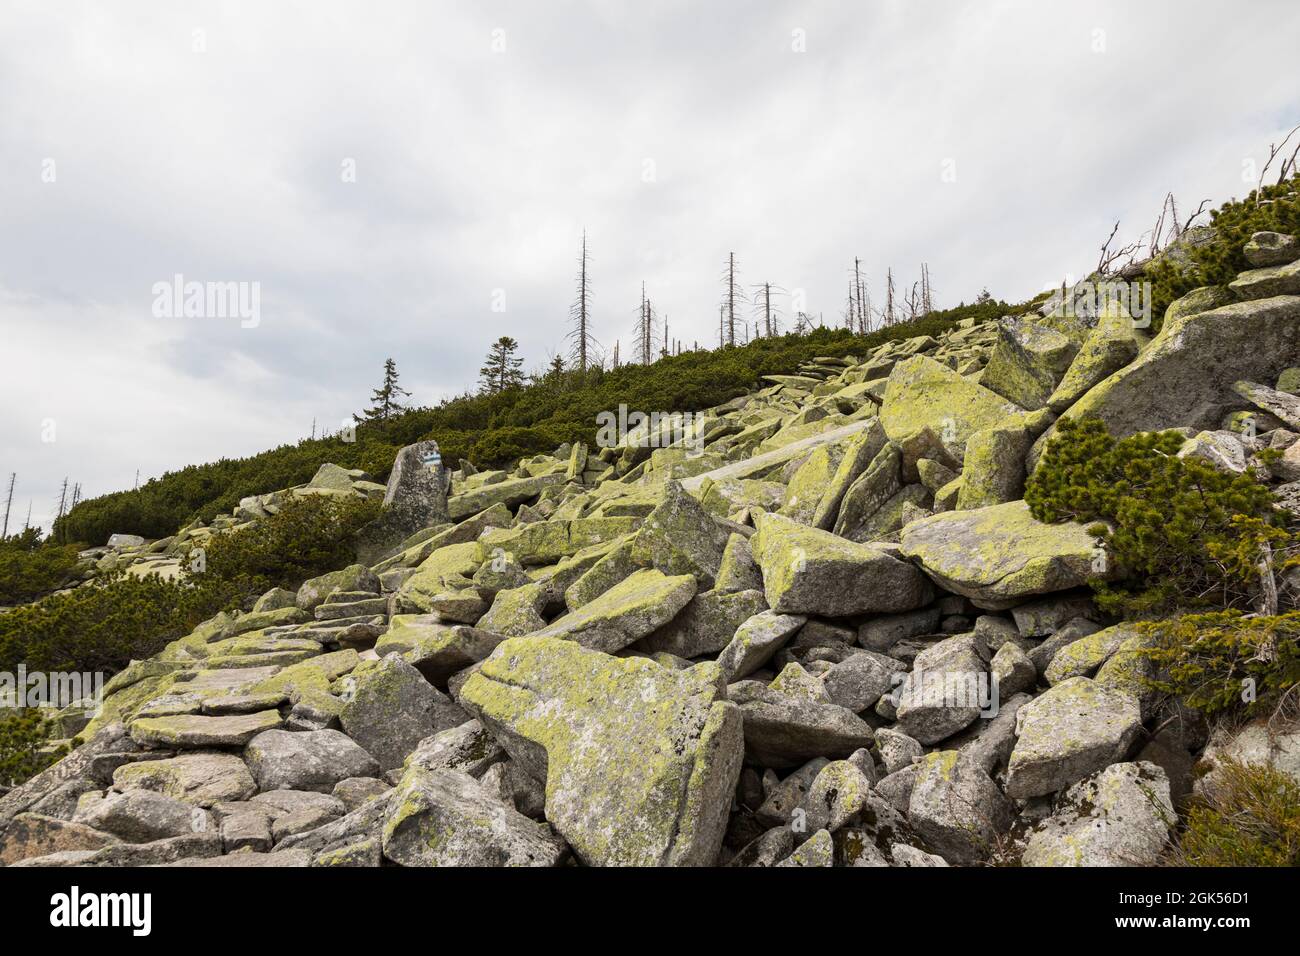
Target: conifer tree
pixel 386 399
pixel 502 369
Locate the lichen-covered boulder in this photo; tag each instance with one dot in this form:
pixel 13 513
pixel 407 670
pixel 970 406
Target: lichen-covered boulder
pixel 138 816
pixel 202 779
pixel 1170 383
pixel 546 542
pixel 680 537
pixel 707 624
pixel 1268 281
pixel 1109 347
pixel 355 577
pixel 632 609
pixel 755 641
pixel 1028 361
pixel 860 452
pixel 810 481
pixel 1000 555
pixel 516 611
pixel 738 572
pixel 444 818
pixel 994 471
pixel 836 797
pixel 923 393
pixel 435 649
pixel 1271 249
pixel 510 493
pixel 31 835
pixel 785 731
pixel 810 571
pixel 447 569
pixel 1281 404
pixel 194 731
pixel 879 482
pixel 393 709
pixel 640 761
pixel 947 689
pixel 1075 729
pixel 415 498
pixel 1082 658
pixel 957 808
pixel 1121 816
pixel 1260 743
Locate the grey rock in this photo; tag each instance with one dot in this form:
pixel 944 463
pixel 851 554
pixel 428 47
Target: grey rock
pixel 467 748
pixel 782 731
pixel 415 498
pixel 1265 249
pixel 141 816
pixel 897 749
pixel 443 818
pixel 946 690
pixel 1013 669
pixel 309 760
pixel 393 709
pixel 1073 730
pixel 755 641
pixel 808 571
pixel 957 808
pixel 1120 816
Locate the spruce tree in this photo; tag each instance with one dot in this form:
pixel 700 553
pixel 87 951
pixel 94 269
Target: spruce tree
pixel 386 399
pixel 501 369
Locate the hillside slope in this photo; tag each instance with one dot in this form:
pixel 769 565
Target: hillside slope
pixel 981 595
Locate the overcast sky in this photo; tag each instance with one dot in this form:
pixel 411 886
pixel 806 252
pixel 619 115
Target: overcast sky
pixel 411 180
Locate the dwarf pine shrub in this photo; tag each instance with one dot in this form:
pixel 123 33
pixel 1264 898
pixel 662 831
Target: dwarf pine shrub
pixel 30 568
pixel 1183 534
pixel 1218 261
pixel 121 617
pixel 24 735
pixel 1250 817
pixel 1225 661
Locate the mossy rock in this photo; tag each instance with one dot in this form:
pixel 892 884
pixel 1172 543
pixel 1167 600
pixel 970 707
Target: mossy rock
pixel 640 761
pixel 1000 555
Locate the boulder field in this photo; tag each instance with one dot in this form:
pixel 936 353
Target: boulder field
pixel 821 629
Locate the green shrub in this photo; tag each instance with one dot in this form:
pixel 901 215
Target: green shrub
pixel 30 569
pixel 103 626
pixel 307 537
pixel 1218 261
pixel 1225 662
pixel 24 735
pixel 1183 534
pixel 95 628
pixel 1250 817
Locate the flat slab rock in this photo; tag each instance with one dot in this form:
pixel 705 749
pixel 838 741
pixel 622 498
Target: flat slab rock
pixel 195 731
pixel 202 779
pixel 1000 555
pixel 627 612
pixel 783 731
pixel 640 761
